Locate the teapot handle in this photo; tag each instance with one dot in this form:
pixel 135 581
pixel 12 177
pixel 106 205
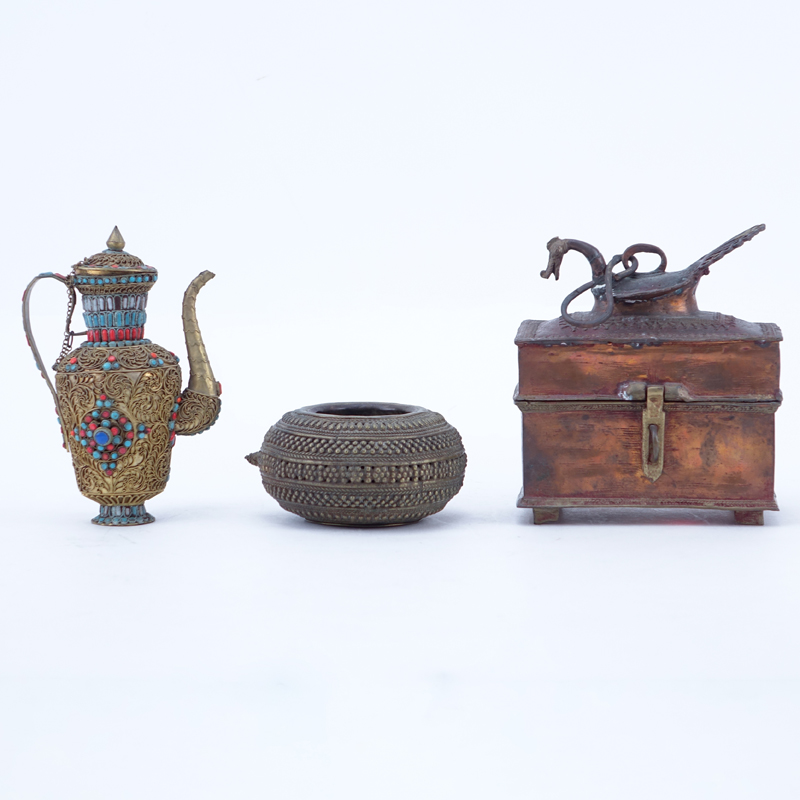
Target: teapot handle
pixel 26 324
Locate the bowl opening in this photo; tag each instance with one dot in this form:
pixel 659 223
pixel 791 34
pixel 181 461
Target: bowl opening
pixel 362 409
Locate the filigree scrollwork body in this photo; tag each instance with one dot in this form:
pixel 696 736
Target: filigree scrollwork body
pixel 138 357
pixel 154 394
pixel 119 421
pixel 197 413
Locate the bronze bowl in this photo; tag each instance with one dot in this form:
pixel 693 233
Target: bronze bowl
pixel 362 464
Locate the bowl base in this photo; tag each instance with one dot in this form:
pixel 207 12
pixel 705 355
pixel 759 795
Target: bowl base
pixel 363 524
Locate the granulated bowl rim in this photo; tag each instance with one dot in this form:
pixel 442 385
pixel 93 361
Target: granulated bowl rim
pixel 361 410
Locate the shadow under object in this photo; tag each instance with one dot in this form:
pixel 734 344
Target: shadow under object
pixel 646 401
pixel 362 464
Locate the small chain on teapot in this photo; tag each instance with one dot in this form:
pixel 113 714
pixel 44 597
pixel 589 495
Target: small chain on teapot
pixel 68 334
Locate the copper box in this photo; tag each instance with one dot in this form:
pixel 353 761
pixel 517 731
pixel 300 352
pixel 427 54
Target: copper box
pixel 649 410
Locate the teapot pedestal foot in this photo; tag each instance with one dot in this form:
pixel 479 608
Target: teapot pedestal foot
pixel 123 515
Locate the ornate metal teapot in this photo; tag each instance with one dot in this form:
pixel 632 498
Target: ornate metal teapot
pixel 118 396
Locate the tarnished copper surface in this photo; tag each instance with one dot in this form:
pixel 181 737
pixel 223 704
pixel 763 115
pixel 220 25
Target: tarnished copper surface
pixel 647 401
pixel 637 328
pixel 711 452
pixel 735 370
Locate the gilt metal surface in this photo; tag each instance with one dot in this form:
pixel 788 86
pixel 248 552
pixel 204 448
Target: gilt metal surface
pixel 118 396
pixel 653 433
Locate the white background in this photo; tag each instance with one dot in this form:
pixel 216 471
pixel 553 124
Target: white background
pixel 374 185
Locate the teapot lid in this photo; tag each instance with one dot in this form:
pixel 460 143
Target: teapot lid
pixel 113 266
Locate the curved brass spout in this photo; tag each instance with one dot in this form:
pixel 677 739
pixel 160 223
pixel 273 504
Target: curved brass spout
pixel 200 403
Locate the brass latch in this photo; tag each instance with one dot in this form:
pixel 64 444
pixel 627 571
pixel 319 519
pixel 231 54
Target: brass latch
pixel 653 433
pixel 637 390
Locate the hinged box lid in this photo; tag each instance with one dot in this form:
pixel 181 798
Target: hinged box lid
pixel 645 329
pixel 709 357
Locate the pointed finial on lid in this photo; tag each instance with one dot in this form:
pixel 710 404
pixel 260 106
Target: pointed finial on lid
pixel 115 241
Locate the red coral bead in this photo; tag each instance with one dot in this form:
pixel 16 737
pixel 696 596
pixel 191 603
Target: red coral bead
pixel 129 435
